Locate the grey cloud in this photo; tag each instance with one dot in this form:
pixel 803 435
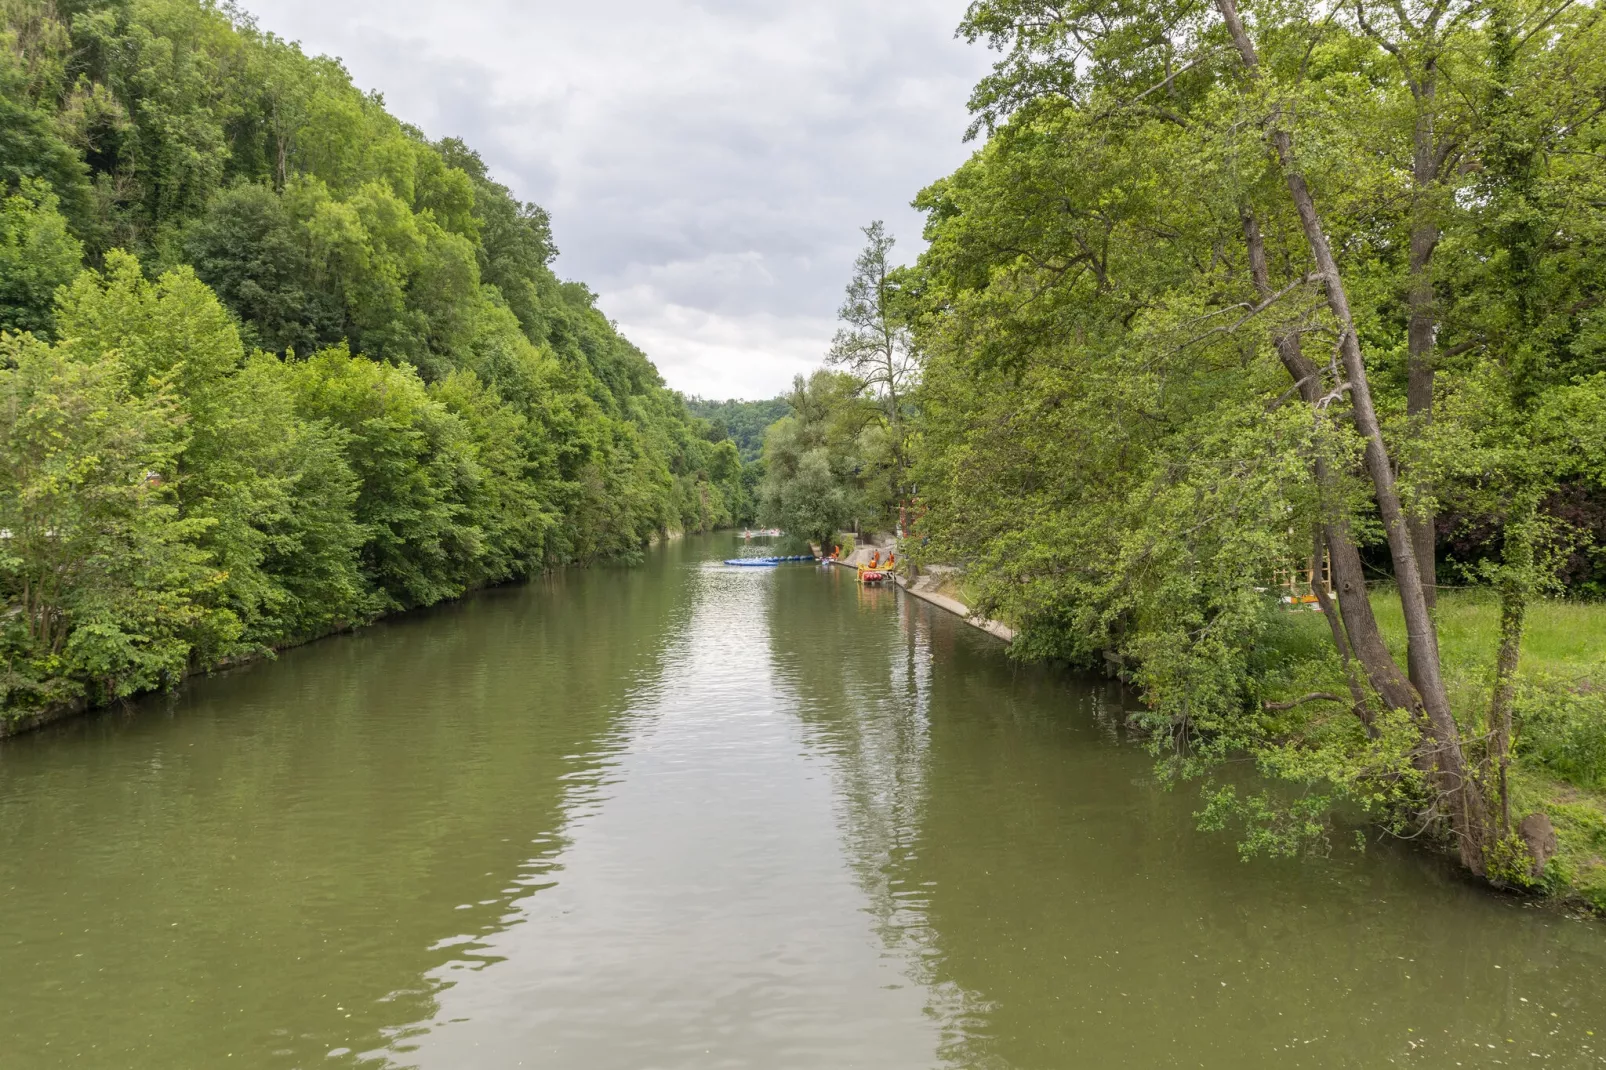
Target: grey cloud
pixel 707 163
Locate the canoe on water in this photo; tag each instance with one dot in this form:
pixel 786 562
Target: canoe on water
pixel 764 562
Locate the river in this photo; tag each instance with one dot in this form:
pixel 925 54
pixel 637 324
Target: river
pixel 684 815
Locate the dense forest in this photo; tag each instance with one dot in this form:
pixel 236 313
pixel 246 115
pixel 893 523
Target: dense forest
pixel 1230 297
pixel 743 422
pixel 274 363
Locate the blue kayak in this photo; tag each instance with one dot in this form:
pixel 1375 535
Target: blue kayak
pixel 765 562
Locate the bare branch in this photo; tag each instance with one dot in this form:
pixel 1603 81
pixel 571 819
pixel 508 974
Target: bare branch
pixel 1251 311
pixel 1546 21
pixel 1314 696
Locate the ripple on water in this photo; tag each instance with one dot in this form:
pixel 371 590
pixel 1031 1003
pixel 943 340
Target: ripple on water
pixel 695 816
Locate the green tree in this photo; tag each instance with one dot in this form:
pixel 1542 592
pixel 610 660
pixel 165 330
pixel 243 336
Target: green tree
pixel 38 255
pixel 504 499
pixel 103 571
pixel 874 344
pixel 247 458
pixel 814 459
pixel 1183 328
pixel 414 463
pixel 33 50
pixel 248 249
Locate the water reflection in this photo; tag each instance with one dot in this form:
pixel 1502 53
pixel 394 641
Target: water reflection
pixel 690 816
pixel 704 915
pixel 862 692
pixel 1062 911
pixel 269 867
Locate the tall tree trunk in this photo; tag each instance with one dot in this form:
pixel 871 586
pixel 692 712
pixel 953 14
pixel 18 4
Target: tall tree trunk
pixel 1365 639
pixel 1360 623
pixel 1335 624
pixel 1419 392
pixel 1456 786
pixel 1513 614
pixel 1422 326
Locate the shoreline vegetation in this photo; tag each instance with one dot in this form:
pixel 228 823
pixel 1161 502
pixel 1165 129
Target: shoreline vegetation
pixel 274 364
pixel 1565 659
pixel 1241 307
pixel 1559 764
pixel 20 722
pixel 1565 662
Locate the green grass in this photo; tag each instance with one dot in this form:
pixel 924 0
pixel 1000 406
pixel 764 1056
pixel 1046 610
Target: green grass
pixel 1561 762
pixel 1564 645
pixel 1562 639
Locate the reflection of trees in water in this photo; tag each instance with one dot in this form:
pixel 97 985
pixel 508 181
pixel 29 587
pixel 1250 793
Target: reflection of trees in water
pixel 1063 910
pixel 563 679
pixel 330 829
pixel 1060 909
pixel 863 691
pixel 864 694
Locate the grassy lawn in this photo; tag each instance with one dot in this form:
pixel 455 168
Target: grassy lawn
pixel 1562 639
pixel 1561 746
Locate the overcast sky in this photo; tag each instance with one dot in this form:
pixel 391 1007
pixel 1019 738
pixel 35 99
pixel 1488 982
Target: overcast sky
pixel 707 163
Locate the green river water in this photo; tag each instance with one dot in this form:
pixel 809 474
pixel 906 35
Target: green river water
pixel 686 815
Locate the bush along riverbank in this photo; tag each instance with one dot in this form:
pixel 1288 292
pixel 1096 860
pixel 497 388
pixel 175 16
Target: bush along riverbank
pixel 1557 765
pixel 1228 293
pixel 1299 693
pixel 273 364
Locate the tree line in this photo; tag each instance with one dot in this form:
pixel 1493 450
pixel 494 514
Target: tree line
pixel 273 363
pixel 1237 289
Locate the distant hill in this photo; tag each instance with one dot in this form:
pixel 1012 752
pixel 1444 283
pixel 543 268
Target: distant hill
pixel 744 421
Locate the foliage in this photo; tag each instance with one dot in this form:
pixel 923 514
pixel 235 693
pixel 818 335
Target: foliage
pixel 1560 717
pixel 1563 731
pixel 875 346
pixel 1226 292
pixel 319 368
pixel 248 249
pixel 816 460
pixel 743 422
pixel 843 455
pixel 37 256
pixel 104 581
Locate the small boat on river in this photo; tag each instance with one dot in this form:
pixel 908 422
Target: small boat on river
pixel 766 562
pixel 877 571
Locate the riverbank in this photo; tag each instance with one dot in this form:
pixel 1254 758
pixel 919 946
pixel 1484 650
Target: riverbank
pixel 1560 765
pixel 16 722
pixel 939 587
pixel 19 722
pixel 1560 749
pixel 936 584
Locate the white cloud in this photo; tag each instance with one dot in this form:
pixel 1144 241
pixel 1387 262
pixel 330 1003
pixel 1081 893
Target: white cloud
pixel 707 164
pixel 751 356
